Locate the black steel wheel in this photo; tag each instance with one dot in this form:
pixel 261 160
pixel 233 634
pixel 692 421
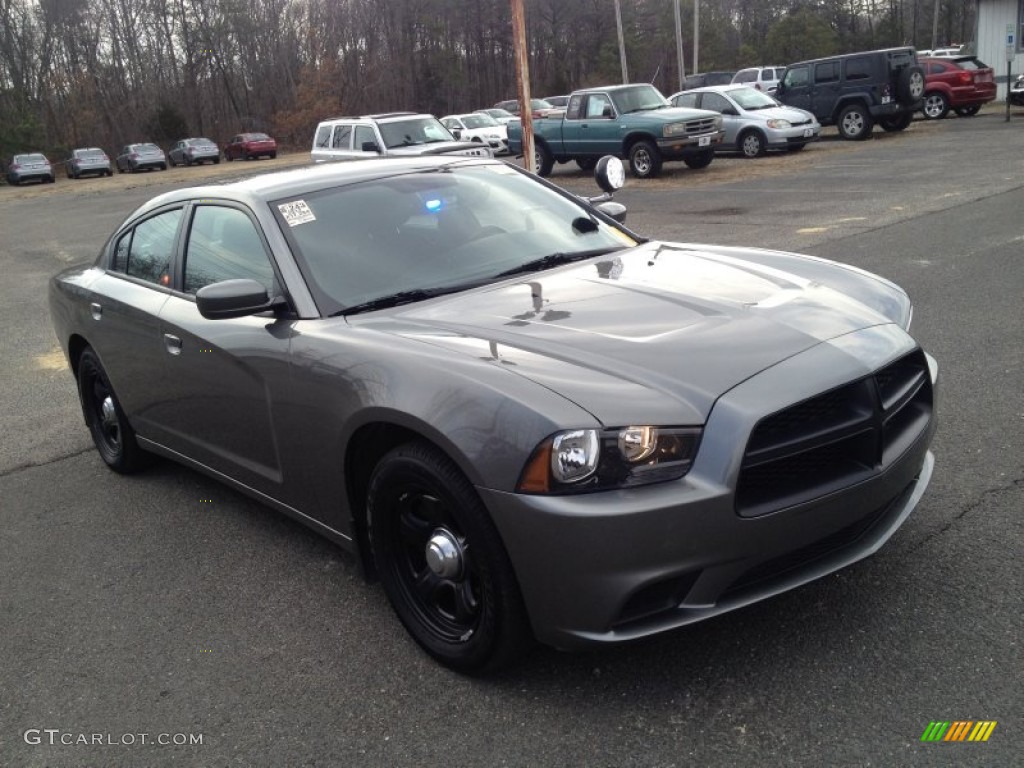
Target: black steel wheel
pixel 442 563
pixel 111 432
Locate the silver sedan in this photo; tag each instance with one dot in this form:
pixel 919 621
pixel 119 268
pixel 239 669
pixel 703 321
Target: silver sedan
pixel 754 122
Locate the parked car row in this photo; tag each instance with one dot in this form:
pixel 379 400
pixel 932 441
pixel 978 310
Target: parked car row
pixel 951 80
pixel 86 161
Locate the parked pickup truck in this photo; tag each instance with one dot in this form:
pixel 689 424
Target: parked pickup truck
pixel 632 121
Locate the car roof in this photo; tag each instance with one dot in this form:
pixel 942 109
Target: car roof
pixel 898 49
pixel 382 116
pixel 611 88
pixel 310 178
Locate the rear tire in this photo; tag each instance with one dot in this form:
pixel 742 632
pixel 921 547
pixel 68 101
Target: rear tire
pixel 854 122
pixel 273 155
pixel 936 106
pixel 970 111
pixel 644 160
pixel 895 124
pixel 543 159
pixel 586 163
pixel 699 160
pixel 112 435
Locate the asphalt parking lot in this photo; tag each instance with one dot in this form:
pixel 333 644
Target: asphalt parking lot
pixel 166 605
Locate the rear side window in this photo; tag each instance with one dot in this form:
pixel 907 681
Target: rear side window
pixel 715 102
pixel 572 112
pixel 685 100
pixel 150 249
pixel 858 68
pixel 323 137
pixel 935 69
pixel 223 244
pixel 342 137
pixel 746 76
pixel 826 72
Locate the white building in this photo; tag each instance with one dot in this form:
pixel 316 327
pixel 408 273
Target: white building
pixel 994 19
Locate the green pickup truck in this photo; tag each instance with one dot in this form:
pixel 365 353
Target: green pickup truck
pixel 634 122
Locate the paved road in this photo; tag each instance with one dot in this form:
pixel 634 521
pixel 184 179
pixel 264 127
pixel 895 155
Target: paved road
pixel 130 606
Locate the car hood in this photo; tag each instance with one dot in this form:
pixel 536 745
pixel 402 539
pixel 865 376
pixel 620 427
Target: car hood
pixel 661 330
pixel 668 115
pixel 792 114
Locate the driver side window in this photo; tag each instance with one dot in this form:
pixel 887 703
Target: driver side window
pixel 223 244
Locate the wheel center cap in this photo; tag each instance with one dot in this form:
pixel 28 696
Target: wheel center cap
pixel 444 555
pixel 107 411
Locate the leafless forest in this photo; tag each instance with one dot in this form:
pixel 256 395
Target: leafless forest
pixel 105 72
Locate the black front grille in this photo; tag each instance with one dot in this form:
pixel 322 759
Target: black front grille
pixel 835 439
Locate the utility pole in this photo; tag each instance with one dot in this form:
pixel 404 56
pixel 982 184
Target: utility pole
pixel 622 43
pixel 696 34
pixel 523 83
pixel 935 27
pixel 679 46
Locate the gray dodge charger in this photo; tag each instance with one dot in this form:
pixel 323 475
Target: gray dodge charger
pixel 528 421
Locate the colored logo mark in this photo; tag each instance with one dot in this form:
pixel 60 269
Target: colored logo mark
pixel 958 730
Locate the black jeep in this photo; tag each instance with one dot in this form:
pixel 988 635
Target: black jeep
pixel 855 90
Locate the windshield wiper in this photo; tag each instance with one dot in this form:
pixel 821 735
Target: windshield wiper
pixel 408 297
pixel 555 260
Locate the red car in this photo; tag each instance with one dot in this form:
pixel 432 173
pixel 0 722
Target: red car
pixel 960 83
pixel 246 146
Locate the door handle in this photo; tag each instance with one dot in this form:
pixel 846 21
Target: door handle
pixel 173 344
pixel 97 310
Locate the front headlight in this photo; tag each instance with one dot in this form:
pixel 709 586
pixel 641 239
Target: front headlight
pixel 779 123
pixel 674 129
pixel 595 460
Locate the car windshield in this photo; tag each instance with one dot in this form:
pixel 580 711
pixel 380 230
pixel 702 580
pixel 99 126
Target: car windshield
pixel 408 133
pixel 499 113
pixel 970 63
pixel 638 98
pixel 256 137
pixel 147 148
pixel 201 143
pixel 29 158
pixel 479 121
pixel 539 104
pixel 423 233
pixel 751 98
pixel 89 153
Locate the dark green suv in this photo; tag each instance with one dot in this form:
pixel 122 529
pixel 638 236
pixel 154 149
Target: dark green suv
pixel 856 90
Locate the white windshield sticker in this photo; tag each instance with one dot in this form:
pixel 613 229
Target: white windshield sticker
pixel 296 212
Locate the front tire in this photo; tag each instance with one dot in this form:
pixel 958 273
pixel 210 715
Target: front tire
pixel 854 123
pixel 752 144
pixel 442 563
pixel 936 106
pixel 586 163
pixel 644 160
pixel 970 111
pixel 111 433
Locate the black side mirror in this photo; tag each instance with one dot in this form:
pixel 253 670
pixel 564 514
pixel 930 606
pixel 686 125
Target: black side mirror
pixel 371 146
pixel 234 298
pixel 613 209
pixel 457 133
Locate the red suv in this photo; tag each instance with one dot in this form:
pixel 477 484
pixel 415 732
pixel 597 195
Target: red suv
pixel 960 83
pixel 250 145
